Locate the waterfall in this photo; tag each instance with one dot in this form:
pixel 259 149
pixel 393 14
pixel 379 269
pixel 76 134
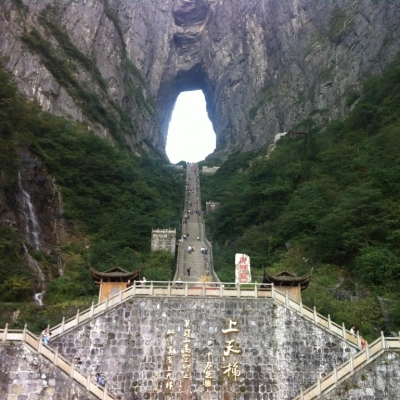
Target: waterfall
pixel 60 208
pixel 35 266
pixel 60 266
pixel 31 221
pixel 58 222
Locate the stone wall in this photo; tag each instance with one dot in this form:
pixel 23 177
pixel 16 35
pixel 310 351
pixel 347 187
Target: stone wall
pixel 379 380
pixel 147 345
pixel 211 206
pixel 25 375
pixel 163 239
pixel 209 170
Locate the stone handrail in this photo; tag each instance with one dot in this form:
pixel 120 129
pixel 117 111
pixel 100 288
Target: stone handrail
pixel 59 361
pixel 316 317
pixel 178 259
pixel 343 371
pixel 163 288
pixel 209 245
pixel 212 289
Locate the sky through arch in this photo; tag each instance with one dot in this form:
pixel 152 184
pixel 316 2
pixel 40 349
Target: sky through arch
pixel 190 133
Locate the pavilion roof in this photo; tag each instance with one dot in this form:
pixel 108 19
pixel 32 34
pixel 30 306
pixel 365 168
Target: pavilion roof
pixel 285 278
pixel 116 274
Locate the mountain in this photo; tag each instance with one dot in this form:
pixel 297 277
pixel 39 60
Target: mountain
pixel 113 69
pixel 118 66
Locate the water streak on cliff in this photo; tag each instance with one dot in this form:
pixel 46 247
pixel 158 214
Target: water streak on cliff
pixel 33 264
pixel 32 228
pixel 60 267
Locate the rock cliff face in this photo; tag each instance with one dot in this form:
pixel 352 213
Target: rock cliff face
pixel 263 65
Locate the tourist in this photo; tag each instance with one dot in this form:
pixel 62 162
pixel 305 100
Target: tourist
pixel 363 343
pixel 129 284
pixel 78 362
pixel 143 281
pixel 46 336
pixel 188 271
pixel 353 331
pixel 100 380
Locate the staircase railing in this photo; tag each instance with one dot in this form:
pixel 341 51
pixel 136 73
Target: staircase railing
pixel 343 371
pixel 35 343
pixel 316 317
pixel 163 288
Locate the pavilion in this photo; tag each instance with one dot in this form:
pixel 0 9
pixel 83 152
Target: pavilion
pixel 113 280
pixel 288 282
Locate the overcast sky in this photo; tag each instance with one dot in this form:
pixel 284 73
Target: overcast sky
pixel 190 134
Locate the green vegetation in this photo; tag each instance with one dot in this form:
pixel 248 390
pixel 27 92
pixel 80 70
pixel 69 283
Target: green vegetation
pixel 339 23
pixel 20 5
pixel 113 17
pixel 317 40
pixel 265 96
pixel 15 280
pixel 47 18
pixel 352 96
pixel 333 194
pixel 111 201
pixel 87 99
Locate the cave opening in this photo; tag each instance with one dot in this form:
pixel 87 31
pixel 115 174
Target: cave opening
pixel 190 136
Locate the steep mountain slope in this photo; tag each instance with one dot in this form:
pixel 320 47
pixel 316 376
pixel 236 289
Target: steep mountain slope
pixel 263 65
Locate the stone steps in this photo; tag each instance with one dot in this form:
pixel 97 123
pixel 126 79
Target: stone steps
pixel 36 345
pixel 195 227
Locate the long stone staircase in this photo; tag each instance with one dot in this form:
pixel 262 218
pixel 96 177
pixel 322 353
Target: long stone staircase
pixel 193 227
pixel 201 284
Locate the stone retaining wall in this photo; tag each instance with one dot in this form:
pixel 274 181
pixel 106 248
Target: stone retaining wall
pixel 147 345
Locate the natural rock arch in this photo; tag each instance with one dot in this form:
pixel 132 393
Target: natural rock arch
pixel 193 79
